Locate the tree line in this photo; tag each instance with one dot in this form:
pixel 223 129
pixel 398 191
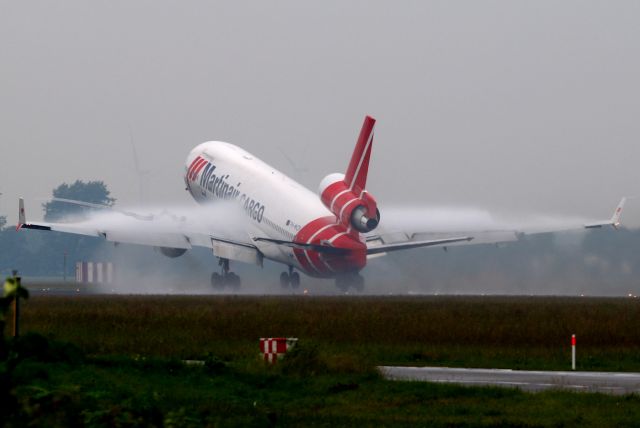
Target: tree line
pixel 42 253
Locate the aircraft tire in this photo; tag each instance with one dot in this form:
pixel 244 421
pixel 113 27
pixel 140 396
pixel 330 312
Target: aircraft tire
pixel 217 280
pixel 295 280
pixel 284 280
pixel 233 280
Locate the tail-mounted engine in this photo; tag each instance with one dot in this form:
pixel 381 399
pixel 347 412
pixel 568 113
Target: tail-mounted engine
pixel 359 211
pixel 345 194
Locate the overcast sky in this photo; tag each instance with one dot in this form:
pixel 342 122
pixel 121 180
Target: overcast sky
pixel 504 105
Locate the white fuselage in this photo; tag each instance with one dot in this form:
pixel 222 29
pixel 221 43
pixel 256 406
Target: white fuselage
pixel 277 206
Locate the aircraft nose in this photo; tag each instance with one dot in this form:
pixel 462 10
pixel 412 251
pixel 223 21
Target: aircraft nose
pixel 191 158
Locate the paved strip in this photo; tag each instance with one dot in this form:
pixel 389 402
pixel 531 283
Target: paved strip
pixel 606 382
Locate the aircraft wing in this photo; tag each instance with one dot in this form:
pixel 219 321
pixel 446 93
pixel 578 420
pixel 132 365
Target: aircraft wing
pixel 163 231
pixel 380 244
pixel 380 248
pixel 614 221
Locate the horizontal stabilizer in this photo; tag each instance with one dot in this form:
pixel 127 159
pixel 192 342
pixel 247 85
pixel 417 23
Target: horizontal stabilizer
pixel 327 249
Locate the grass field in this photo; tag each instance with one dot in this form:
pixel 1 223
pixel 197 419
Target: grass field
pixel 493 332
pixel 127 369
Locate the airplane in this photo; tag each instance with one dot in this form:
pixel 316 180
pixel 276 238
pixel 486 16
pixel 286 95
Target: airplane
pixel 325 235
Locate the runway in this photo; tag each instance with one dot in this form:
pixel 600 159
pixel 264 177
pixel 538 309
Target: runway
pixel 605 382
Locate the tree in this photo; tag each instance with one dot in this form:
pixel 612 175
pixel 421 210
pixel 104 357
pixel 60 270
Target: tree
pixel 94 192
pixel 3 221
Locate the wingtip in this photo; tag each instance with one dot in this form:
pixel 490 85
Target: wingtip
pixel 616 218
pixel 21 214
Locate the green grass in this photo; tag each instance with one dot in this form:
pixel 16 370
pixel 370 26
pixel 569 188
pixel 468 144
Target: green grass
pixel 99 394
pixel 501 332
pixel 131 373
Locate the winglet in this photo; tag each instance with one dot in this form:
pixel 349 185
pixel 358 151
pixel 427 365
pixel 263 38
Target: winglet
pixel 21 215
pixel 616 218
pixel 617 214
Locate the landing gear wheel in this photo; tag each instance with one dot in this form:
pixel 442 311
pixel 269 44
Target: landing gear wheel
pixel 284 280
pixel 217 281
pixel 295 280
pixel 290 278
pixel 232 280
pixel 225 278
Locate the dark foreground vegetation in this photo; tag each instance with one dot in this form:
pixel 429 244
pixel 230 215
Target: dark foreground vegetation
pixel 117 361
pixel 492 332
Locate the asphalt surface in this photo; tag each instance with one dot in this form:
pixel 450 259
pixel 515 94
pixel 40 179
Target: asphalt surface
pixel 605 382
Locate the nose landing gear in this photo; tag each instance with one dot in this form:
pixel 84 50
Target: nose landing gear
pixel 225 277
pixel 290 278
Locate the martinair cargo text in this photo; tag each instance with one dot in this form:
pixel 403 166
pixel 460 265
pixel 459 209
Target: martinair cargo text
pixel 330 235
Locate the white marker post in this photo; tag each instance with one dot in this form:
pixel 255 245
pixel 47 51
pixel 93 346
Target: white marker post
pixel 573 352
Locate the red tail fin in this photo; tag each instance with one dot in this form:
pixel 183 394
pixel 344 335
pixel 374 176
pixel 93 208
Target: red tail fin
pixel 346 197
pixel 356 175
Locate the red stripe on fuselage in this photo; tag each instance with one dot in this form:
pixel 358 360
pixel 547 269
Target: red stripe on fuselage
pixel 198 162
pixel 323 231
pixel 197 169
pixel 193 164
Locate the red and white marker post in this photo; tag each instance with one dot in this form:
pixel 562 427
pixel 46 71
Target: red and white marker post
pixel 274 347
pixel 573 352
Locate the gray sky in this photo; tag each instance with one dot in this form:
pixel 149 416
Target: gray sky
pixel 509 106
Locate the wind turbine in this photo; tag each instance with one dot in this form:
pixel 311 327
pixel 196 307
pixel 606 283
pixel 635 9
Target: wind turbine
pixel 297 169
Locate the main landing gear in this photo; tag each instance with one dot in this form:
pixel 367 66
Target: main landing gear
pixel 225 277
pixel 290 278
pixel 349 280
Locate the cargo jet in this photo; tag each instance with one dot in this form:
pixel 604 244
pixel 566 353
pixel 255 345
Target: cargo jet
pixel 328 235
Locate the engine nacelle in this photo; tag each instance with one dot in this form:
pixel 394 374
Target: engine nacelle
pixel 353 210
pixel 171 252
pixel 362 222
